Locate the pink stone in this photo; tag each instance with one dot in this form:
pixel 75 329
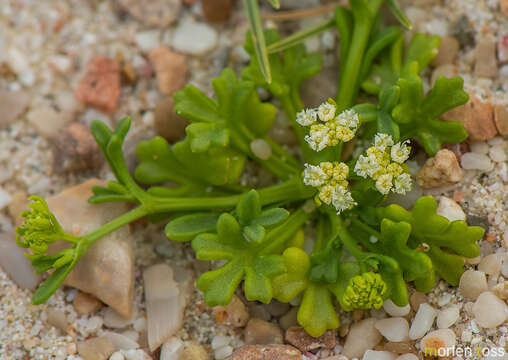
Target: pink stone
pixel 100 86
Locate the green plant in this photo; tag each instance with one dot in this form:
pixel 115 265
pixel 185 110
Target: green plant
pixel 364 252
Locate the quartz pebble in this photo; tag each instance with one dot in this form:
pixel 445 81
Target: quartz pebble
pixel 47 121
pixel 479 147
pixel 497 153
pixel 114 320
pixel 121 342
pixel 474 161
pixel 191 37
pixel 99 348
pixel 168 124
pixel 393 329
pixel 289 319
pixel 165 304
pixel 422 321
pixel 261 149
pixel 262 332
pixel 107 268
pixel 440 170
pixel 394 310
pixel 450 209
pixel 147 40
pixel 219 341
pixel 472 283
pixel 234 314
pixel 170 68
pixel 448 316
pixel 160 13
pixel 407 357
pixel 491 264
pixel 298 337
pixel 223 352
pixel 477 117
pixel 12 104
pixel 448 50
pixel 136 354
pixel 501 119
pixel 486 61
pixel 439 339
pixel 57 319
pixel 194 352
pixel 14 262
pixel 75 149
pixel 379 355
pixel 489 311
pixel 362 336
pixel 100 86
pixel 86 304
pixel 172 349
pixel 117 355
pixel 267 352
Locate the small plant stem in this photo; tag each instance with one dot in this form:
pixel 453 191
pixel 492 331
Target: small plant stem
pixel 349 81
pixel 291 190
pixel 70 238
pixel 281 234
pixel 348 241
pixel 128 217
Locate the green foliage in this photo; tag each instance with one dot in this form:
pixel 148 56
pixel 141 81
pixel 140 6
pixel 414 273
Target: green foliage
pixel 242 241
pixel 256 240
pixel 419 116
pixel 230 124
pixel 448 242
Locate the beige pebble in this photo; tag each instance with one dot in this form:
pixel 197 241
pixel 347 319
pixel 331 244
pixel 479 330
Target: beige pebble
pixel 262 332
pixel 447 51
pixel 472 283
pixel 86 304
pixel 234 314
pixel 486 60
pixel 501 119
pixel 477 117
pixel 440 170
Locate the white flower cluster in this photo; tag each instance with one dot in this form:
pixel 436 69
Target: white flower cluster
pixel 331 180
pixel 327 129
pixel 382 163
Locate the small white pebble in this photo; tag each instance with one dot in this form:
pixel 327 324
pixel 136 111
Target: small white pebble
pixel 497 140
pixel 117 356
pixel 407 357
pixel 393 329
pixel 489 311
pixel 497 153
pixel 450 209
pixel 147 40
pixel 223 352
pixel 261 149
pixel 491 264
pixel 466 336
pixel 220 341
pixel 444 299
pixel 395 310
pixel 447 317
pixel 479 147
pixel 474 161
pixel 379 355
pixel 422 321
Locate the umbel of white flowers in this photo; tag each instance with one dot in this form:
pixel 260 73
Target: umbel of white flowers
pixel 327 129
pixel 383 162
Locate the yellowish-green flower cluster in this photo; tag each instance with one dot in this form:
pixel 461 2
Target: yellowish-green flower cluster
pixel 327 128
pixel 40 228
pixel 364 292
pixel 331 180
pixel 383 162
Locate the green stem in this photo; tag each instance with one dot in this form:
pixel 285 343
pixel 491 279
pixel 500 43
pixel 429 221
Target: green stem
pixel 349 81
pixel 113 225
pixel 348 241
pixel 281 234
pixel 288 191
